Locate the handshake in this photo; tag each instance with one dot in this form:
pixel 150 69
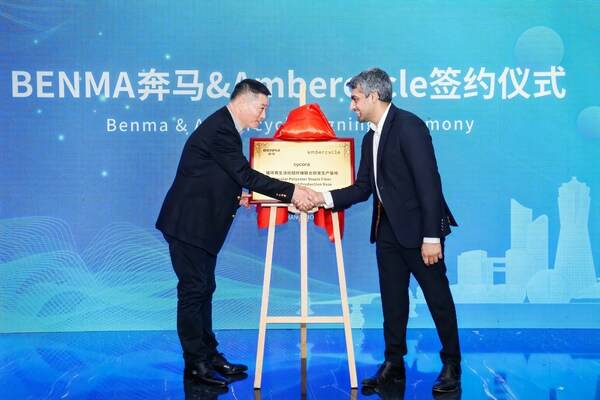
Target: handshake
pixel 306 199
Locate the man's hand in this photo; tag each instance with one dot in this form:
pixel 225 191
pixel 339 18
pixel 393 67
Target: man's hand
pixel 317 198
pixel 245 200
pixel 301 198
pixel 431 253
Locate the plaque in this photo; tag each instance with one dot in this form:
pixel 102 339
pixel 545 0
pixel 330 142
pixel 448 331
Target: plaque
pixel 319 165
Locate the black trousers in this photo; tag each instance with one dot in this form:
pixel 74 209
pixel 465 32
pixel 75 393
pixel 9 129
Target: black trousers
pixel 396 263
pixel 195 270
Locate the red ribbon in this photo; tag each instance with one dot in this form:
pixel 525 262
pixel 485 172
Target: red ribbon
pixel 305 123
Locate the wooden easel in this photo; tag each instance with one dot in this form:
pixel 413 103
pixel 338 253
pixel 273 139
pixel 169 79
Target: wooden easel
pixel 304 318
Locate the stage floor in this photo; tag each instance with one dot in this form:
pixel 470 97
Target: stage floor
pixel 497 364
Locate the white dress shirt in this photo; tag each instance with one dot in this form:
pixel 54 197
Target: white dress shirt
pixel 377 129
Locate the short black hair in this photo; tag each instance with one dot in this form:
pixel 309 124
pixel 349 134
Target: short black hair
pixel 249 85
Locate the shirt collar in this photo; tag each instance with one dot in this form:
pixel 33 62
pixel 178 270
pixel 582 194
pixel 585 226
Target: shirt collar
pixel 238 124
pixel 379 127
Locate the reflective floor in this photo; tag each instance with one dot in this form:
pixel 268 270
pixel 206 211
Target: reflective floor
pixel 497 364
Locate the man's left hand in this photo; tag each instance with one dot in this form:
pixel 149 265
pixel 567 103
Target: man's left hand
pixel 431 253
pixel 245 200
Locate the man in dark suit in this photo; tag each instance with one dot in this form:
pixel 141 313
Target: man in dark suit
pixel 410 221
pixel 197 213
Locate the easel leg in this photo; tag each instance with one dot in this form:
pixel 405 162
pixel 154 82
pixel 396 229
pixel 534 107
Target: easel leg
pixel 303 296
pixel 303 361
pixel 264 307
pixel 344 299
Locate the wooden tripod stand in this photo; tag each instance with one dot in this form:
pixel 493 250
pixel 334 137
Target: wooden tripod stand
pixel 304 318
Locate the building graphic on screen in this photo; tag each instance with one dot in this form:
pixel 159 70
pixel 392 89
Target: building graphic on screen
pixel 524 274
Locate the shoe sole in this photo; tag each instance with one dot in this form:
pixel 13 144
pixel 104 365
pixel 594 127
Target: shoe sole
pixel 375 384
pixel 197 378
pixel 446 391
pixel 206 383
pixel 232 373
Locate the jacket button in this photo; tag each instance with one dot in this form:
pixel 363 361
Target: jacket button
pixel 239 197
pixel 232 215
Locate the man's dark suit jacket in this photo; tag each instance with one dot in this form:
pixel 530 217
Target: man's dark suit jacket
pixel 201 204
pixel 408 181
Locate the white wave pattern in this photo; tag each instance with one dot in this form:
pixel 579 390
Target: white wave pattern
pixel 20 237
pixel 122 281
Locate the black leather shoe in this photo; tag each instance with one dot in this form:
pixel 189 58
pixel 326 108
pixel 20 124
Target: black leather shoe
pixel 224 367
pixel 448 380
pixel 448 396
pixel 236 377
pixel 386 391
pixel 194 390
pixel 387 372
pixel 203 372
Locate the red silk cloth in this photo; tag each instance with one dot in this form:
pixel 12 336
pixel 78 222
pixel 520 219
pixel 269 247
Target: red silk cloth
pixel 305 123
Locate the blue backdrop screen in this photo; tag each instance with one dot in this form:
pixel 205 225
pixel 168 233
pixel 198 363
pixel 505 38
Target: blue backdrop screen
pixel 98 99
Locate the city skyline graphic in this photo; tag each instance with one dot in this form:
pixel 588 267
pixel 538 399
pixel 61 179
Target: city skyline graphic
pixel 524 274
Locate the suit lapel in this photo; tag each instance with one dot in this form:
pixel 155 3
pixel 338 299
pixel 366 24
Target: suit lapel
pixel 370 156
pixel 385 134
